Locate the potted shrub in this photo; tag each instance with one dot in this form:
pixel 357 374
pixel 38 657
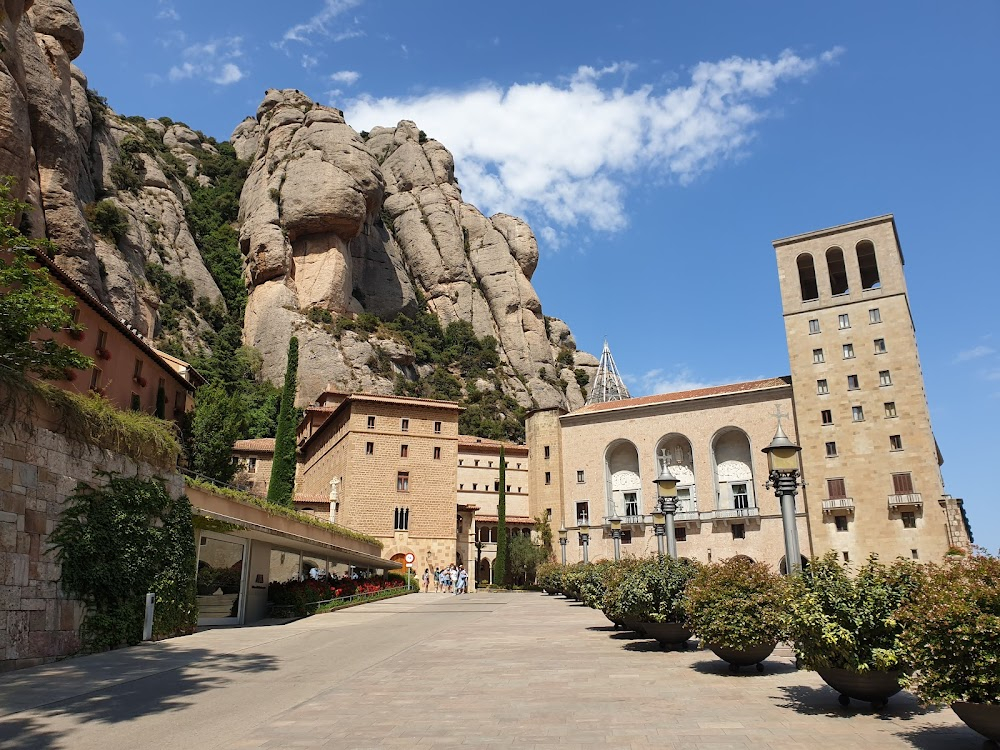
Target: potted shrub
pixel 951 638
pixel 592 583
pixel 845 627
pixel 739 610
pixel 648 597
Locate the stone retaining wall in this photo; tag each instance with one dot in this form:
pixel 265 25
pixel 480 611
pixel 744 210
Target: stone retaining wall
pixel 39 469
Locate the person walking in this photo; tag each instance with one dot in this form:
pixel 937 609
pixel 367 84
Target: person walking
pixel 463 580
pixel 445 579
pixel 437 580
pixel 426 580
pixel 454 578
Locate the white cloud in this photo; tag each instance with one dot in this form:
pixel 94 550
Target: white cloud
pixel 568 149
pixel 319 24
pixel 680 378
pixel 167 12
pixel 309 61
pixel 976 352
pixel 348 77
pixel 213 61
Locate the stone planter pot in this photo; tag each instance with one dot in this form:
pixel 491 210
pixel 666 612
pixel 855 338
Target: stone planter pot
pixel 743 657
pixel 634 624
pixel 981 717
pixel 671 636
pixel 874 687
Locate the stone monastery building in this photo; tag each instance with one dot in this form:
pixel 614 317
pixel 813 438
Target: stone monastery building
pixel 398 469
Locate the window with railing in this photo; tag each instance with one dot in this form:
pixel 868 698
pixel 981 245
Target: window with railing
pixel 631 504
pixel 741 498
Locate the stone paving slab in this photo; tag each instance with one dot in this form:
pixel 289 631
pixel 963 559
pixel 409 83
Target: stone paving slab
pixel 434 670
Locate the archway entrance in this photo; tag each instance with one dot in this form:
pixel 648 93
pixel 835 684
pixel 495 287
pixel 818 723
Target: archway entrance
pixel 400 557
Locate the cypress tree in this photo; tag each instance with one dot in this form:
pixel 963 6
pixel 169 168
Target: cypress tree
pixel 500 564
pixel 282 482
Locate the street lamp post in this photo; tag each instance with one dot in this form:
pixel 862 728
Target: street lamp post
pixel 666 490
pixel 585 541
pixel 479 558
pixel 616 534
pixel 783 465
pixel 563 540
pixel 659 528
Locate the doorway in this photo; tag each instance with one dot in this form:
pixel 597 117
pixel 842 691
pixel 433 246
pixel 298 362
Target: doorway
pixel 221 579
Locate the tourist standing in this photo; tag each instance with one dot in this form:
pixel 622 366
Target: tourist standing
pixel 426 580
pixel 445 579
pixel 454 578
pixel 437 580
pixel 463 580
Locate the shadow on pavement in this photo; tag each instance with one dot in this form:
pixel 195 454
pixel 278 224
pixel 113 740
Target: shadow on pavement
pixel 603 628
pixel 642 645
pixel 165 681
pixel 721 668
pixel 822 701
pixel 945 738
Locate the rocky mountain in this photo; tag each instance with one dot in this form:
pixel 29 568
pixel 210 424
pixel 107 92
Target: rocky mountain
pixel 358 243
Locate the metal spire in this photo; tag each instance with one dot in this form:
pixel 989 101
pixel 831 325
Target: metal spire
pixel 608 384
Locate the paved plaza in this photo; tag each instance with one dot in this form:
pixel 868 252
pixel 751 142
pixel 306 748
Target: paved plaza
pixel 432 670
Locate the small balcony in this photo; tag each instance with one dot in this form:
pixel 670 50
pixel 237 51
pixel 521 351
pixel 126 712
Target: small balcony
pixel 912 500
pixel 838 503
pixel 729 514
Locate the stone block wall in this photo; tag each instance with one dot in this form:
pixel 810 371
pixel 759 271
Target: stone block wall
pixel 39 470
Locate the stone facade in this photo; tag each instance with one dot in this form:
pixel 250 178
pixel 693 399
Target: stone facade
pixel 711 439
pixel 869 453
pixel 38 471
pixel 389 465
pixel 255 458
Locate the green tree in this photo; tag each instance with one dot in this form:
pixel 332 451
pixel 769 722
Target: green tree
pixel 219 421
pixel 544 530
pixel 31 302
pixel 283 469
pixel 500 569
pixel 524 557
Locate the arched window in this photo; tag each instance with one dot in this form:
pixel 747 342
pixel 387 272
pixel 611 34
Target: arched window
pixel 868 265
pixel 807 277
pixel 624 487
pixel 674 452
pixel 733 470
pixel 838 271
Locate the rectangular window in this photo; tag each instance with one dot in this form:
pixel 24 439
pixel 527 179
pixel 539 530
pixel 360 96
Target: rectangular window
pixel 580 476
pixel 631 504
pixel 401 519
pixel 814 326
pixel 835 488
pixel 890 409
pixel 437 452
pixel 909 519
pixel 76 316
pixel 475 486
pixel 848 351
pixel 831 450
pixel 818 357
pixel 369 449
pixel 437 428
pixel 548 477
pixel 95 379
pixel 404 451
pixel 371 423
pixel 627 536
pixel 858 413
pixel 582 513
pixel 404 425
pixel 914 554
pixel 822 387
pixel 496 486
pixel 846 555
pixel 852 383
pixel 546 451
pixel 896 442
pixel 739 531
pixel 826 416
pixel 902 484
pixel 102 340
pixel 179 402
pixel 680 534
pixel 476 462
pixel 134 402
pixel 874 316
pixel 137 370
pixel 740 497
pixel 403 481
pixel 884 378
pixel 844 321
pixel 841 522
pixel 880 346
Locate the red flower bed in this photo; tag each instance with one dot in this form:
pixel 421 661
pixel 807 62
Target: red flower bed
pixel 299 595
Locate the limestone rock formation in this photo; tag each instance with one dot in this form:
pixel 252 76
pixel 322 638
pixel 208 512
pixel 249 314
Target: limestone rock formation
pixel 346 225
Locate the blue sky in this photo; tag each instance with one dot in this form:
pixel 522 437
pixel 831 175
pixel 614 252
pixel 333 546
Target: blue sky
pixel 656 149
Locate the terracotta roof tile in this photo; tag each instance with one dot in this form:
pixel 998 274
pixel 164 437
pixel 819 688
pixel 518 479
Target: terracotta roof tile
pixel 258 445
pixel 715 390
